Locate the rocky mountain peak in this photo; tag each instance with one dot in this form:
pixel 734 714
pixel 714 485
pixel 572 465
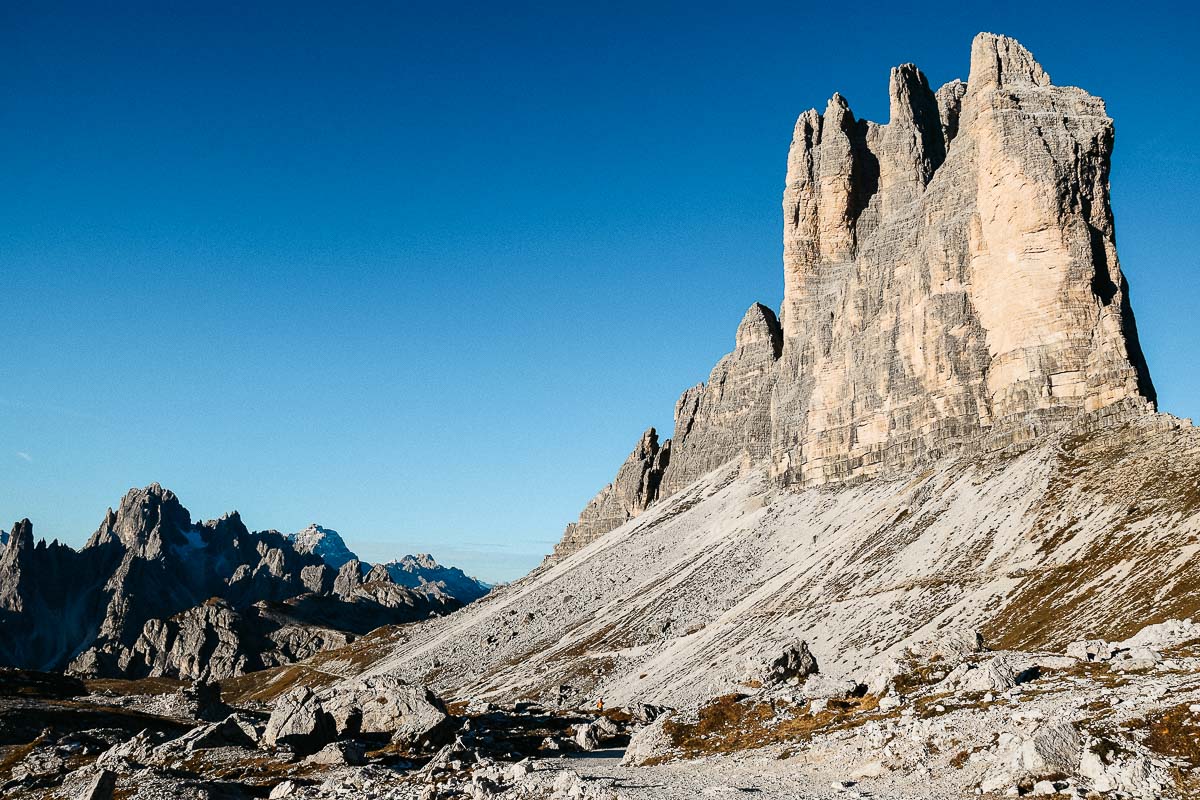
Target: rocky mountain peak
pixel 424 573
pixel 951 283
pixel 21 537
pixel 1001 61
pixel 759 328
pixel 146 520
pixel 323 542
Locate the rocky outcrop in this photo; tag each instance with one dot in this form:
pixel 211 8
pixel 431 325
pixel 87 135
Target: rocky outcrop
pixel 155 593
pixel 349 578
pixel 730 416
pixel 950 277
pixel 635 487
pixel 951 284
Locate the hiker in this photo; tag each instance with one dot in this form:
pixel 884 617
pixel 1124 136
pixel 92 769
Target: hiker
pixel 600 706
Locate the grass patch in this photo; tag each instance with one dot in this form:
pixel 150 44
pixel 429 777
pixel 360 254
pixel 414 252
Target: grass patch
pixel 734 722
pixel 1174 732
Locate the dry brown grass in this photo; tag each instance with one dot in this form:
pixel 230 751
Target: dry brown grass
pixel 735 722
pixel 317 672
pixel 250 768
pixel 1175 732
pixel 268 684
pixel 1120 478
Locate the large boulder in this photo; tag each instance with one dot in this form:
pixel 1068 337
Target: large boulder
pixel 381 704
pixel 1050 749
pixel 1091 650
pixel 378 705
pixel 996 674
pixel 596 734
pixel 299 721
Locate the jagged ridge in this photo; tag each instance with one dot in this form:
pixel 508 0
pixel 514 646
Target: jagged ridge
pixel 951 283
pixel 154 593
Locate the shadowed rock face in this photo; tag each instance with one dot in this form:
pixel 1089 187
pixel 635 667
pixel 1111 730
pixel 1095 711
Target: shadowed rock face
pixel 140 597
pixel 951 283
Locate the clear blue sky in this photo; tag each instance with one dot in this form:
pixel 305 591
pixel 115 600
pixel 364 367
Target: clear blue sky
pixel 423 272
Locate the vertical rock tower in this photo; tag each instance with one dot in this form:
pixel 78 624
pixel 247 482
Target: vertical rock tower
pixel 950 282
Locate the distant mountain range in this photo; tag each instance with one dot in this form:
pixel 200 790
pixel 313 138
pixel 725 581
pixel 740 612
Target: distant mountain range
pixel 420 572
pixel 155 593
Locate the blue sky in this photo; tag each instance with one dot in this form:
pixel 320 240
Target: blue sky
pixel 424 272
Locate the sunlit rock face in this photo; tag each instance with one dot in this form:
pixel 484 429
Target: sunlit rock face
pixel 951 282
pixel 950 276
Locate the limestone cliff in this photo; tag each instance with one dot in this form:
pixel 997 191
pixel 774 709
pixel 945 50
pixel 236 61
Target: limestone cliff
pixel 951 282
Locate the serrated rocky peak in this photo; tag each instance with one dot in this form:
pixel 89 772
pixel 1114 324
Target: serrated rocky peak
pixel 423 573
pixel 630 493
pixel 146 520
pixel 135 599
pixel 323 542
pixel 951 284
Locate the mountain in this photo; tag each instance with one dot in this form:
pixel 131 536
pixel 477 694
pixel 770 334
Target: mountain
pixel 950 423
pixel 951 285
pixel 155 593
pixel 324 543
pixel 423 573
pixel 921 534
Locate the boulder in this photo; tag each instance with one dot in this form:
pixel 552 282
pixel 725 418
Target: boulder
pixel 882 675
pixel 299 721
pixel 649 744
pixel 1049 750
pixel 996 674
pixel 378 705
pixel 235 730
pixel 645 713
pixel 791 665
pixel 454 757
pixel 1090 650
pixel 204 696
pixel 382 704
pixel 134 754
pixel 283 789
pixel 826 687
pixel 594 735
pixel 339 754
pixel 1135 659
pixel 951 645
pixel 101 787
